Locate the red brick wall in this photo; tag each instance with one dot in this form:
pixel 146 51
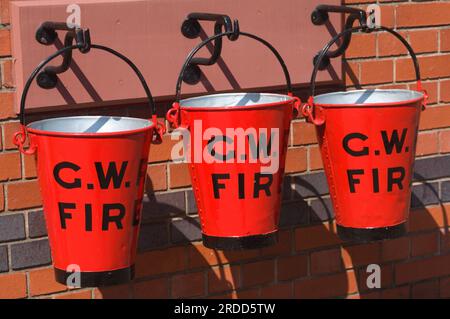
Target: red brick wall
pixel 309 261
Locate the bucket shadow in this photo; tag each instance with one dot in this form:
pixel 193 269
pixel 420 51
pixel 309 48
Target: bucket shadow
pixel 335 269
pixel 344 265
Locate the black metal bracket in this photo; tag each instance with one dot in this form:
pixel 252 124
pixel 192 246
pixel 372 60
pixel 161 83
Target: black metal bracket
pixel 46 34
pixel 191 29
pixel 320 16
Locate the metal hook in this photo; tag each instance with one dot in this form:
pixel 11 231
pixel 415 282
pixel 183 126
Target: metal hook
pixel 191 29
pixel 320 16
pixel 46 34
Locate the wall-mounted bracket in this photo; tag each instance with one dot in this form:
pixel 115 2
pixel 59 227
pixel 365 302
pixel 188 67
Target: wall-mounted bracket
pixel 191 29
pixel 46 34
pixel 320 16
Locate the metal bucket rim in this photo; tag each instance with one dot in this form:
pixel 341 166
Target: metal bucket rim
pixel 147 125
pixel 282 99
pixel 415 96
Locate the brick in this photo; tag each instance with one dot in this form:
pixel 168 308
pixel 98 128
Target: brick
pixel 389 46
pixel 431 67
pixel 445 90
pixel 427 143
pixel 326 261
pixel 179 175
pixel 425 194
pixel 4 12
pixel 277 291
pixel 431 168
pixel 303 133
pixel 358 255
pixel 84 294
pixel 156 178
pixel 351 72
pixel 321 210
pixel 2 198
pixel 445 40
pixel 286 188
pixel 425 290
pixel 161 261
pixel 24 195
pixel 310 185
pixel 162 152
pixel 435 117
pixel 113 292
pixel 188 285
pixel 258 273
pixel 201 256
pixel 315 158
pixel 423 14
pixel 164 205
pixel 191 203
pixel 444 287
pixel 9 128
pixel 316 236
pixel 36 224
pixel 282 247
pixel 4 259
pixel 185 230
pixel 361 46
pixel 12 227
pixel 292 267
pixel 424 41
pixel 336 285
pixel 293 214
pixel 30 166
pixel 5 42
pixel 10 166
pixel 42 282
pixel 7 75
pixel 30 254
pixel 395 249
pixel 296 160
pixel 422 269
pixel 396 293
pixel 445 191
pixel 7 108
pixel 223 278
pixel 388 16
pixel 429 218
pixel 377 71
pixel 152 289
pixel 154 235
pixel 13 285
pixel 424 244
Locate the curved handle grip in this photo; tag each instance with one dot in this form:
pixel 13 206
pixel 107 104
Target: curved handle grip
pixel 20 137
pixel 308 109
pixel 173 114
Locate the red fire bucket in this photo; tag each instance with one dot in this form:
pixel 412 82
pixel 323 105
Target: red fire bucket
pixel 91 172
pixel 367 140
pixel 237 149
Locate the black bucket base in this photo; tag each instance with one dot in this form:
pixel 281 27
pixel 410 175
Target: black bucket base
pixel 365 235
pixel 98 278
pixel 239 243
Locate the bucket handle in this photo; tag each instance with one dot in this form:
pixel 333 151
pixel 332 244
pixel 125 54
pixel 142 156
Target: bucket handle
pixel 308 108
pixel 20 137
pixel 173 115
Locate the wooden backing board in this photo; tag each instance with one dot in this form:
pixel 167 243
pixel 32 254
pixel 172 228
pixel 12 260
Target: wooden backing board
pixel 148 32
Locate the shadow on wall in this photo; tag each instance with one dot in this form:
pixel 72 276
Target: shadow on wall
pixel 311 262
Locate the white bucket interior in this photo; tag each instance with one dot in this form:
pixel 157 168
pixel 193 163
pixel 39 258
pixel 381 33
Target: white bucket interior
pixel 234 99
pixel 90 124
pixel 367 97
